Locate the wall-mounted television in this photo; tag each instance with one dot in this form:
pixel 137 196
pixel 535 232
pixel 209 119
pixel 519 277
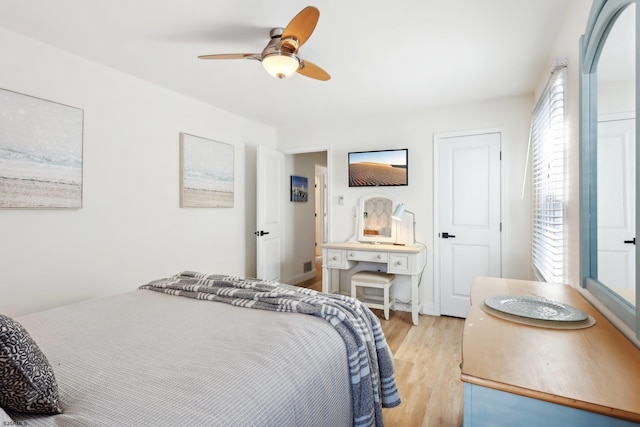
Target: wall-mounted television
pixel 380 168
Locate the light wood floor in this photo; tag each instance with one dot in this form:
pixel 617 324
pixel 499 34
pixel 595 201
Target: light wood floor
pixel 427 360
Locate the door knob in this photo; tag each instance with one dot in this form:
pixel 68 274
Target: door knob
pixel 446 235
pixel 631 242
pixel 261 233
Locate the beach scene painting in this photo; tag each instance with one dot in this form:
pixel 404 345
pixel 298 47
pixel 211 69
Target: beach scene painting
pixel 206 173
pixel 378 168
pixel 40 153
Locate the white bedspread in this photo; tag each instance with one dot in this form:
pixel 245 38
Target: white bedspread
pixel 145 358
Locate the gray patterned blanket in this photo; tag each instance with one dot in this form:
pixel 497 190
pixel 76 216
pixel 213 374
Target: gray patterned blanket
pixel 370 361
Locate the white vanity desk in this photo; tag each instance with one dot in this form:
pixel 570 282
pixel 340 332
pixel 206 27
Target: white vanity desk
pixel 399 260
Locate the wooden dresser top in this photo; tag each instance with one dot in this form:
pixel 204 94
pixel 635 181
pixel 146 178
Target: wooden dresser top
pixel 596 369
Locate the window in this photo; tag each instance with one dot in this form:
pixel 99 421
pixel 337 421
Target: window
pixel 547 159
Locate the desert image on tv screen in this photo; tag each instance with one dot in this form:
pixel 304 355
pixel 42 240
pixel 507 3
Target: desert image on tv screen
pixel 378 168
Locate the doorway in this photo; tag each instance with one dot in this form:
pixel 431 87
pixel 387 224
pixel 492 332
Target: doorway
pixel 467 215
pixel 321 210
pixel 306 223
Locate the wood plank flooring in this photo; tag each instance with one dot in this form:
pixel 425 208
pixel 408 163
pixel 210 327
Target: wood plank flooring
pixel 427 361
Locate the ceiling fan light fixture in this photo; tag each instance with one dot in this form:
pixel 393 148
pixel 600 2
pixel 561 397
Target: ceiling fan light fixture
pixel 280 56
pixel 280 64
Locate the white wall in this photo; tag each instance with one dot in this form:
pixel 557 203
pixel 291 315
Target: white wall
pixel 616 97
pixel 415 130
pixel 299 224
pixel 130 229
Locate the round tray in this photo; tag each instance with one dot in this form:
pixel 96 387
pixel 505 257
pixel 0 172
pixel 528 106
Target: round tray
pixel 536 308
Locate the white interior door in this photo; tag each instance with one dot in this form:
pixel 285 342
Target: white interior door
pixel 320 211
pixel 269 238
pixel 616 204
pixel 468 216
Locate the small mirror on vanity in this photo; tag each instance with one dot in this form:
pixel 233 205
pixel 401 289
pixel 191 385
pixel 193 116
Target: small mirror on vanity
pixel 374 223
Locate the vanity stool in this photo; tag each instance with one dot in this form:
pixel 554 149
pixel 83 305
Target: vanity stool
pixel 378 280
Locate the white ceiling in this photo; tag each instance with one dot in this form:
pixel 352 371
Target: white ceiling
pixel 382 55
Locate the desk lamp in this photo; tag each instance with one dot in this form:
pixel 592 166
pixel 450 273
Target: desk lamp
pixel 398 213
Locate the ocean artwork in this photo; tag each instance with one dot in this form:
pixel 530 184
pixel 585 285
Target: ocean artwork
pixel 206 173
pixel 40 153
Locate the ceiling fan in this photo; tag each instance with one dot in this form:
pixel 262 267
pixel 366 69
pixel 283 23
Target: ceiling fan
pixel 280 56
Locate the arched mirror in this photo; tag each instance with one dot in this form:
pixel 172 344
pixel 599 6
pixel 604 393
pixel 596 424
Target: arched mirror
pixel 608 157
pixel 616 158
pixel 374 224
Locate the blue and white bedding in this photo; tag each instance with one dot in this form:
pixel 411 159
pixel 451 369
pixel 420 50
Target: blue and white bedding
pixel 370 360
pixel 145 358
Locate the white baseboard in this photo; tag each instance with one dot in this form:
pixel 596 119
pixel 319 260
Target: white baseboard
pixel 300 277
pixel 428 309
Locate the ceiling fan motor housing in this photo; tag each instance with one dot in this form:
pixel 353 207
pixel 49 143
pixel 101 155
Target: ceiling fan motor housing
pixel 280 56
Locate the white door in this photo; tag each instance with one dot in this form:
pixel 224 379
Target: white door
pixel 269 238
pixel 320 212
pixel 468 234
pixel 616 204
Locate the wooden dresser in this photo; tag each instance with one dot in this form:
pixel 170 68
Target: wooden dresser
pixel 519 375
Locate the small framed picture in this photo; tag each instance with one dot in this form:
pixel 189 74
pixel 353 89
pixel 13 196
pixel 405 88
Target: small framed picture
pixel 299 189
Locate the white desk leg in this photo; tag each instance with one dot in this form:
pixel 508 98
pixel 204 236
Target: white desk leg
pixel 415 299
pixel 334 284
pixel 330 280
pixel 326 279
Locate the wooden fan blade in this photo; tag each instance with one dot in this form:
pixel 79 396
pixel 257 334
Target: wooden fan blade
pixel 310 69
pixel 302 25
pixel 256 56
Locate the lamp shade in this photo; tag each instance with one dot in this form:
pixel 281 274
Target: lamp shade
pixel 281 65
pixel 398 213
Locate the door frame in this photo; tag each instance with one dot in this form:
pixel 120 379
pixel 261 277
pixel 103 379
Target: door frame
pixel 314 149
pixel 321 199
pixel 437 137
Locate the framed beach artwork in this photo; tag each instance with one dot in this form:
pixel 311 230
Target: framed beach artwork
pixel 299 189
pixel 40 153
pixel 206 173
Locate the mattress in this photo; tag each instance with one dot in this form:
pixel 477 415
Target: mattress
pixel 147 358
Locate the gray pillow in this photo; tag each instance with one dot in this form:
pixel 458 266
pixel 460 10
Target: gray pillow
pixel 27 383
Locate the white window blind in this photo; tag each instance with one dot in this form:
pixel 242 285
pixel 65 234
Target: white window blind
pixel 547 160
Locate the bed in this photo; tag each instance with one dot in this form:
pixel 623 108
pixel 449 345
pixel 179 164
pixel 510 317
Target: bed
pixel 189 350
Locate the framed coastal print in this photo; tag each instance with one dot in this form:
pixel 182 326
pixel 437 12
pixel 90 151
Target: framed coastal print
pixel 206 173
pixel 40 153
pixel 299 189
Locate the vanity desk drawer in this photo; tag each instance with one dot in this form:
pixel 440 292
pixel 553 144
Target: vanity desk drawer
pixel 336 258
pixel 400 264
pixel 372 256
